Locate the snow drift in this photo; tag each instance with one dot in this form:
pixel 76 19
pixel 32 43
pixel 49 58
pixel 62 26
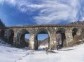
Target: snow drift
pixel 11 54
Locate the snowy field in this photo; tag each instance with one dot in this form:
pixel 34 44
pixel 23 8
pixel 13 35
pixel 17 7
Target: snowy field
pixel 11 54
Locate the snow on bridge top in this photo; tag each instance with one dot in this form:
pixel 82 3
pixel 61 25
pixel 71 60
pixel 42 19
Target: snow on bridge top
pixel 31 26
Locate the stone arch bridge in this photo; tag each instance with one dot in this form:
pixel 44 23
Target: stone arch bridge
pixel 70 35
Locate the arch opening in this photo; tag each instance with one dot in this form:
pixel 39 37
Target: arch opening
pixel 9 35
pixel 74 32
pixel 23 38
pixel 60 37
pixel 2 32
pixel 42 40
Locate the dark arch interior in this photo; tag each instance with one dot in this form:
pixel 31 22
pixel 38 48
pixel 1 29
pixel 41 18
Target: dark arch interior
pixel 42 40
pixel 2 33
pixel 23 38
pixel 60 37
pixel 9 35
pixel 74 32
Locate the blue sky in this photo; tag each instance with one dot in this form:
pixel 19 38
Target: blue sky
pixel 40 36
pixel 33 12
pixel 30 12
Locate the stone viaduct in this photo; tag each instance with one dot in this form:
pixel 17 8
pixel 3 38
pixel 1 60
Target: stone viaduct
pixel 71 35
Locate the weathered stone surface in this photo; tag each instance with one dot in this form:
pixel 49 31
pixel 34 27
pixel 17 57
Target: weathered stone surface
pixel 15 35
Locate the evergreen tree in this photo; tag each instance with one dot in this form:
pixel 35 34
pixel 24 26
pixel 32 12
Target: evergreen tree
pixel 2 24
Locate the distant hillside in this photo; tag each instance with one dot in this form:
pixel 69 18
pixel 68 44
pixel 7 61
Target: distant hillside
pixel 44 42
pixel 1 23
pixel 77 23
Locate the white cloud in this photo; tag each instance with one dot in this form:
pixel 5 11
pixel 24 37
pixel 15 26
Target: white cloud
pixel 50 10
pixel 13 2
pixel 8 1
pixel 1 1
pixel 24 5
pixel 56 10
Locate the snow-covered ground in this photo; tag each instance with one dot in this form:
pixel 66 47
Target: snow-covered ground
pixel 11 54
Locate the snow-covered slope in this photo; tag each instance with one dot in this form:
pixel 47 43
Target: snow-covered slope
pixel 11 54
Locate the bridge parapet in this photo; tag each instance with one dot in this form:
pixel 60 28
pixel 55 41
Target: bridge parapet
pixel 66 31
